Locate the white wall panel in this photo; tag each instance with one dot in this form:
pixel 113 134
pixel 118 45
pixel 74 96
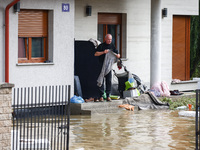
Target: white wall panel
pixel 62 70
pixel 138 30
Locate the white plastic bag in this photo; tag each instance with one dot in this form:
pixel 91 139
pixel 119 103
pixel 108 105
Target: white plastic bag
pixel 162 88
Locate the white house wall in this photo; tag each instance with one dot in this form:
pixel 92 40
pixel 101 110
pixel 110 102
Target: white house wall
pixel 138 30
pixel 61 71
pixel 2 40
pixel 178 7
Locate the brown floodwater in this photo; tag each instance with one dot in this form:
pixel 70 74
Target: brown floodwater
pixel 127 130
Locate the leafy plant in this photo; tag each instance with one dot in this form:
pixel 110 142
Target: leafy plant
pixel 184 101
pixel 195 46
pixel 167 100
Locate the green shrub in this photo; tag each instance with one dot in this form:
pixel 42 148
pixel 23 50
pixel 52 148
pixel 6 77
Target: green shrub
pixel 184 101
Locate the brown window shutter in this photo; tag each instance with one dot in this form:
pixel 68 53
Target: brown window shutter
pixel 33 23
pixel 181 48
pixel 109 18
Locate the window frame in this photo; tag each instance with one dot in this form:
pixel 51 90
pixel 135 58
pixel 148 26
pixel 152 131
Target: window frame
pixel 106 19
pixel 28 49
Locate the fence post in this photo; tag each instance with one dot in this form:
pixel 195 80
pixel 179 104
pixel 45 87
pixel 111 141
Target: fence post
pixel 5 114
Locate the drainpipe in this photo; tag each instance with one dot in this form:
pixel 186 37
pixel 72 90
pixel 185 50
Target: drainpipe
pixel 7 39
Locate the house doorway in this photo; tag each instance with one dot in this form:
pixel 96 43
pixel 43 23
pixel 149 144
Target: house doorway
pixel 181 48
pixel 110 23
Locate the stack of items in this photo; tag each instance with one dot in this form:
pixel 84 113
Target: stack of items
pixel 130 89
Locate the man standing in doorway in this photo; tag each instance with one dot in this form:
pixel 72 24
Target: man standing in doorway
pixel 103 49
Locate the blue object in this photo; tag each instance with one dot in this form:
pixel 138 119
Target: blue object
pixel 76 99
pixel 131 80
pixel 65 7
pixel 156 93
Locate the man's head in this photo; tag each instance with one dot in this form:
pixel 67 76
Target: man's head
pixel 108 38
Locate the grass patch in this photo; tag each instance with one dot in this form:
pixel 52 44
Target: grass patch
pixel 183 101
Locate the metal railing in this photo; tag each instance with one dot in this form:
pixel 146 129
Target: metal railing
pixel 197 123
pixel 41 117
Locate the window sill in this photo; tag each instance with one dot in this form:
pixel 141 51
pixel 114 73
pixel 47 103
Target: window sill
pixel 33 64
pixel 185 82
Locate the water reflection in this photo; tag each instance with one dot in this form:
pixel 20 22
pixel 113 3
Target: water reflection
pixel 127 130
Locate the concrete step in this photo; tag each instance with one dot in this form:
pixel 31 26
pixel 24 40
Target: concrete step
pixel 111 107
pixel 97 107
pixel 100 105
pixel 190 85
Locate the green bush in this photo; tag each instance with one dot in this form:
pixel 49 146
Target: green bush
pixel 184 101
pixel 195 46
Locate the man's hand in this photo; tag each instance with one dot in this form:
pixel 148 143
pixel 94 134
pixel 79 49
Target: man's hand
pixel 106 51
pixel 118 55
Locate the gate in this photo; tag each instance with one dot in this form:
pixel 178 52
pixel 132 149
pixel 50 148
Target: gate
pixel 197 123
pixel 41 117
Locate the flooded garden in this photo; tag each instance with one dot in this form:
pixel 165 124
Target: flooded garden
pixel 128 130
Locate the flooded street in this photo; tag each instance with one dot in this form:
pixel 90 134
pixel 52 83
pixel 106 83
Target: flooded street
pixel 127 130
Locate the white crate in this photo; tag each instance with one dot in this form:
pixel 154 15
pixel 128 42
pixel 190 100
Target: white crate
pixel 130 93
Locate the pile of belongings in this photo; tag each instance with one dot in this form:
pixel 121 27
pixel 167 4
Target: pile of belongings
pixel 131 88
pixel 160 89
pixel 146 101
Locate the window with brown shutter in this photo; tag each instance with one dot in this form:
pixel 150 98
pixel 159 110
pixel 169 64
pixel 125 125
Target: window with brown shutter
pixel 32 36
pixel 111 23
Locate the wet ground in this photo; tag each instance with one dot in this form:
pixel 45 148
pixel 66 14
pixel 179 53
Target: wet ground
pixel 127 130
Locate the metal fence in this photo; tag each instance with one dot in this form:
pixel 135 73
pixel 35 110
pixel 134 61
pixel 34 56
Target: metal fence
pixel 197 123
pixel 41 117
